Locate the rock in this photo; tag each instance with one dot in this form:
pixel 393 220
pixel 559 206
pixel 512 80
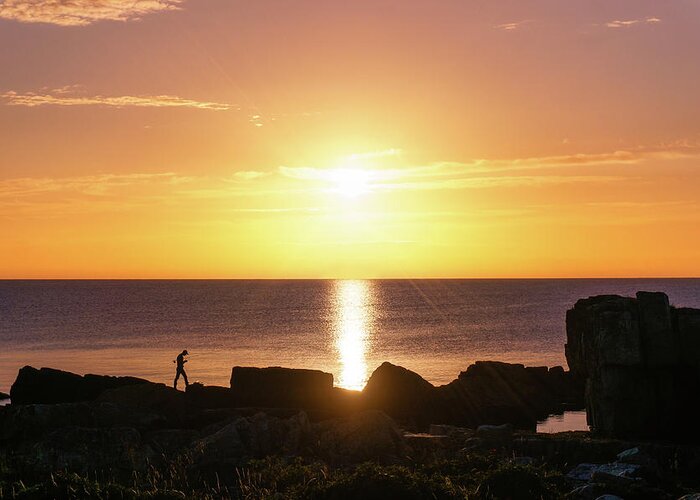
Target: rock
pixel 690 496
pixel 450 431
pixel 609 497
pixel 501 434
pixel 637 457
pixel 586 492
pixel 281 387
pixel 27 423
pixel 222 447
pixel 491 392
pixel 585 472
pixel 47 386
pixel 688 322
pixel 263 435
pixel 167 403
pixel 209 397
pixel 401 393
pixel 368 435
pixel 4 396
pixel 218 454
pixel 107 414
pixel 487 392
pixel 661 342
pixel 118 451
pixel 169 442
pixel 639 358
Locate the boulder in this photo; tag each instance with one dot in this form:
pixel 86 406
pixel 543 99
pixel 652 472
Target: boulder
pixel 263 435
pixel 167 443
pixel 368 435
pixel 281 387
pixel 4 396
pixel 491 392
pixel 203 396
pixel 28 423
pixel 222 447
pixel 401 393
pixel 496 434
pixel 585 472
pixel 231 445
pixel 488 392
pixel 117 451
pixel 47 386
pixel 639 358
pixel 168 404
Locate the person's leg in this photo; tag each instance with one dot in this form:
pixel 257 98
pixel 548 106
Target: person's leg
pixel 184 375
pixel 177 376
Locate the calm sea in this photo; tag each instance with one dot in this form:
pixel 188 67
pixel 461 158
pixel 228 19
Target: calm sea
pixel 435 327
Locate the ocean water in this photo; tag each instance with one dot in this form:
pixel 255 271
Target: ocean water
pixel 434 327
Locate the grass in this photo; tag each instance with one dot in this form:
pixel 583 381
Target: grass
pixel 472 476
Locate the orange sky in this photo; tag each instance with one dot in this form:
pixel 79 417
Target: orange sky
pixel 231 139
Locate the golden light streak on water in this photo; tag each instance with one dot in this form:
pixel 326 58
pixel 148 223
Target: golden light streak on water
pixel 352 331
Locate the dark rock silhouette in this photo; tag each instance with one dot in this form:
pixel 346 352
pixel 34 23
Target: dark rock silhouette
pixel 491 392
pixel 488 392
pixel 4 396
pixel 151 398
pixel 401 393
pixel 281 387
pixel 362 436
pixel 210 396
pixel 47 385
pixel 640 359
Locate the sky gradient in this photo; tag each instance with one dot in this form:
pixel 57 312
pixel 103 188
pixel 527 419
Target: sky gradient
pixel 309 139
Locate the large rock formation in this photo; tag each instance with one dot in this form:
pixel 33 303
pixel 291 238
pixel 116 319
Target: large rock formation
pixel 491 392
pixel 47 385
pixel 401 393
pixel 488 392
pixel 281 387
pixel 640 359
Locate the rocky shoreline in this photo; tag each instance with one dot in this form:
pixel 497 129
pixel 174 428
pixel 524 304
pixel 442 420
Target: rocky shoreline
pixel 288 433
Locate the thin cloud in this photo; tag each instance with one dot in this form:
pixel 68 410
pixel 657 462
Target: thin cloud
pixel 63 97
pixel 482 173
pixel 511 26
pixel 249 175
pixel 82 12
pixel 89 184
pixel 44 196
pixel 631 22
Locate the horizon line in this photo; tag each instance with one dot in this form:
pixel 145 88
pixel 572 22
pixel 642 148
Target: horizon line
pixel 434 278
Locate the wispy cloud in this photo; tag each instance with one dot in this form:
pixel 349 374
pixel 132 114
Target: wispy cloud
pixel 484 173
pixel 511 26
pixel 273 191
pixel 95 185
pixel 631 22
pixel 249 175
pixel 82 12
pixel 65 97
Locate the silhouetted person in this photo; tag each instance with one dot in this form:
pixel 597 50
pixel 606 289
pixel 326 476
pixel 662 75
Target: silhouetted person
pixel 181 368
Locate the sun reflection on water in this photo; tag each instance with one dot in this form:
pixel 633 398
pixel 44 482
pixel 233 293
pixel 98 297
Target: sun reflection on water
pixel 352 332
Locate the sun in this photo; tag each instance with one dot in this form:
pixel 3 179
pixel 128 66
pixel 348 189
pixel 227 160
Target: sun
pixel 350 182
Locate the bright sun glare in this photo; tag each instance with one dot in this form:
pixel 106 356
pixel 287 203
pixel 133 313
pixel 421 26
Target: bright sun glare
pixel 350 182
